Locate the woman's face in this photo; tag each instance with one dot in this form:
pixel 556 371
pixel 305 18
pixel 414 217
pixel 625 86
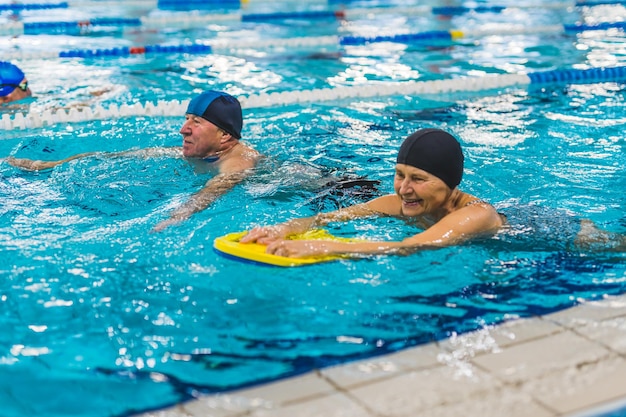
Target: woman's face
pixel 421 193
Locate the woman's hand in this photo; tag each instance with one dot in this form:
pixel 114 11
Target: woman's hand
pixel 298 248
pixel 265 235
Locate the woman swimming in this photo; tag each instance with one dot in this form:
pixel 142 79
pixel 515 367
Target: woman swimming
pixel 428 170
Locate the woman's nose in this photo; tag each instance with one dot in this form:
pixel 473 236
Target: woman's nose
pixel 405 186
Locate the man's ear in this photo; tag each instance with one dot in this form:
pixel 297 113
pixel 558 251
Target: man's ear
pixel 226 137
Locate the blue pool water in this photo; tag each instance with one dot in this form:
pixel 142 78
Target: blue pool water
pixel 104 318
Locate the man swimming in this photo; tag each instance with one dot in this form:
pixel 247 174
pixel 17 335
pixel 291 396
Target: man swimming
pixel 211 141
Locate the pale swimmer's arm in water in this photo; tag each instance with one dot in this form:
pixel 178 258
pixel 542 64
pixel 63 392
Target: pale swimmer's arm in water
pixel 39 165
pixel 233 166
pixel 214 189
pixel 590 237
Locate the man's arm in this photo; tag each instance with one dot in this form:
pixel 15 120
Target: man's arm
pixel 38 165
pixel 214 189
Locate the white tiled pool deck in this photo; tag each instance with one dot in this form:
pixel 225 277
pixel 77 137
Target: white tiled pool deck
pixel 571 363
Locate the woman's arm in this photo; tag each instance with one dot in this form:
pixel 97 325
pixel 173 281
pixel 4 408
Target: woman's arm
pixel 308 248
pixel 456 227
pixel 459 226
pixel 267 234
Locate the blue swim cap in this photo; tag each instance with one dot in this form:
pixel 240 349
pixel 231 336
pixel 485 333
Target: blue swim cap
pixel 221 109
pixel 10 77
pixel 436 152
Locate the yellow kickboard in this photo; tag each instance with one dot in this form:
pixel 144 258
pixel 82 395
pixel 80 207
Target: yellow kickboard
pixel 230 245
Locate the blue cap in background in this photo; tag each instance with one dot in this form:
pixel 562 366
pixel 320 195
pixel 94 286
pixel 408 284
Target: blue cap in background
pixel 10 77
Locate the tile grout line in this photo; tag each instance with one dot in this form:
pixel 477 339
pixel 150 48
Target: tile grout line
pixel 511 385
pixel 350 395
pixel 562 329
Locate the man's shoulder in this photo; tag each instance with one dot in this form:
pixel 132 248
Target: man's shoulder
pixel 247 155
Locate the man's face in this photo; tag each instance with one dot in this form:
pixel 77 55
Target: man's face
pixel 201 138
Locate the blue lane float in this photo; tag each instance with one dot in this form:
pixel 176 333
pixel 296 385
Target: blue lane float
pixel 459 10
pixel 436 35
pixel 266 17
pixel 599 3
pixel 33 28
pixel 188 5
pixel 137 50
pixel 19 7
pixel 579 27
pixel 575 76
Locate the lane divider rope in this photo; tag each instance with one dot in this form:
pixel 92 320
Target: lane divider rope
pixel 122 51
pixel 227 45
pixel 341 13
pixel 451 35
pixel 136 50
pixel 177 108
pixel 194 19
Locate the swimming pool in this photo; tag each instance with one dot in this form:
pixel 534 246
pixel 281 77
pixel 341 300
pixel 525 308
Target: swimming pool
pixel 108 318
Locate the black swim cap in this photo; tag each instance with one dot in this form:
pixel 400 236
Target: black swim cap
pixel 221 109
pixel 436 152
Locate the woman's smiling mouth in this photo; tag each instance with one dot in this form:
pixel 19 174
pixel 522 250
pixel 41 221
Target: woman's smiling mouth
pixel 411 203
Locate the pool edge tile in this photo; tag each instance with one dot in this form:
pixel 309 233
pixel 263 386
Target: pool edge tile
pixel 355 383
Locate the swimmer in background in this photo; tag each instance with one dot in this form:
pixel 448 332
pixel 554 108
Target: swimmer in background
pixel 14 87
pixel 428 170
pixel 13 83
pixel 211 142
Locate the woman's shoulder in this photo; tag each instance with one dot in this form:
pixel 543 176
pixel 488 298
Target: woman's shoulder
pixel 388 204
pixel 463 199
pixel 475 201
pixel 468 200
